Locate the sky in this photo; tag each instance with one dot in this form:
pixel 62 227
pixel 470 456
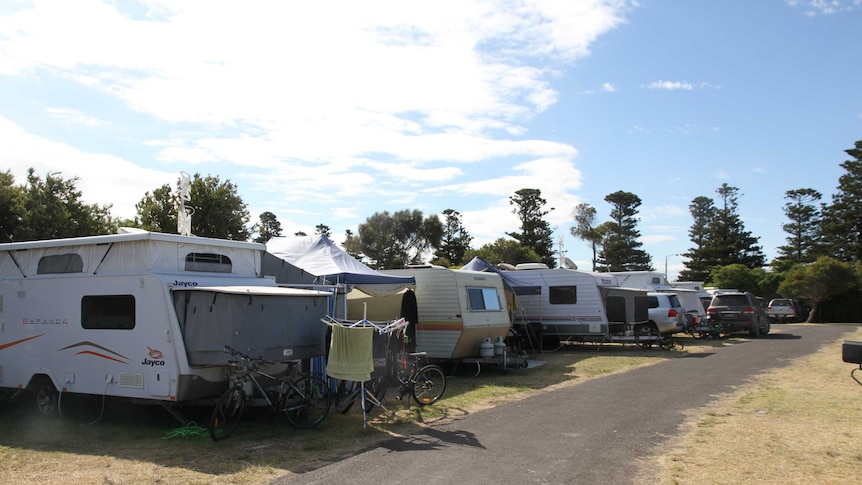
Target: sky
pixel 329 112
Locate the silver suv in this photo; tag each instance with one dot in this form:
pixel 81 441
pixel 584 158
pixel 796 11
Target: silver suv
pixel 666 312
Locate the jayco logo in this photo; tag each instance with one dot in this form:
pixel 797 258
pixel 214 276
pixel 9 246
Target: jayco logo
pixel 156 358
pixel 185 284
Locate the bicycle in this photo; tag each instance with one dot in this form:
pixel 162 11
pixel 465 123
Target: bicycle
pixel 424 383
pixel 304 400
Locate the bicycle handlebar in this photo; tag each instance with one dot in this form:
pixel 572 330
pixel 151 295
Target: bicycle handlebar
pixel 254 360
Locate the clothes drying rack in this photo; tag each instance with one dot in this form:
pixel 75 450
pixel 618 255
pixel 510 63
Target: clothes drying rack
pixel 366 360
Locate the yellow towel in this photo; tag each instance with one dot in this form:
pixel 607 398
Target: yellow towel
pixel 351 353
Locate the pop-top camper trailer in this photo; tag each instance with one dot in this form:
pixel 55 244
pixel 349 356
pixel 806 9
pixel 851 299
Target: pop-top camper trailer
pixel 144 315
pixel 456 310
pixel 568 304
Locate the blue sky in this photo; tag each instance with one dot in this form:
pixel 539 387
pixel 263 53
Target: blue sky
pixel 327 112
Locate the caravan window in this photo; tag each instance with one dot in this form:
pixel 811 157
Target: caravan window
pixel 108 312
pixel 483 299
pixel 563 295
pixel 60 263
pixel 208 262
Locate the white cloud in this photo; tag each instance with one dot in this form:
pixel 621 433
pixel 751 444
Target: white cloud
pixel 319 109
pixel 825 7
pixel 608 88
pixel 671 85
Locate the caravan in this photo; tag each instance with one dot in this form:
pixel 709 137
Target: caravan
pixel 144 315
pixel 455 311
pixel 577 306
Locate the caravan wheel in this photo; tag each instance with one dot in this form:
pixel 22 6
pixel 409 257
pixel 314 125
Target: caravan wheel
pixel 46 397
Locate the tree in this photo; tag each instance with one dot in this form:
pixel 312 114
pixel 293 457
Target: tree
pixel 218 212
pixel 504 251
pixel 620 246
pixel 818 282
pixel 703 213
pixel 267 228
pixel 11 199
pixel 585 229
pixel 841 221
pixel 535 231
pixel 736 276
pixel 455 241
pixel 400 239
pixel 724 240
pixel 804 225
pixel 351 245
pixel 52 208
pixel 323 230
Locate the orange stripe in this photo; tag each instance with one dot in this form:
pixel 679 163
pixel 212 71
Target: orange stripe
pixel 10 344
pixel 90 352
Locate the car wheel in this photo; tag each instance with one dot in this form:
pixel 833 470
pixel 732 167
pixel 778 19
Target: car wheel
pixel 46 397
pixel 754 330
pixel 765 330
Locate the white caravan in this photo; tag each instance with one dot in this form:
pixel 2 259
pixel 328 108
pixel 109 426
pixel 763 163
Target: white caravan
pixel 455 311
pixel 144 315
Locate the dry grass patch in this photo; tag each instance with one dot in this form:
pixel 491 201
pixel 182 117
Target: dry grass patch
pixel 798 424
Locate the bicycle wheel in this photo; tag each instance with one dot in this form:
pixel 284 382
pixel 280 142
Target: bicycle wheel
pixel 428 385
pixel 307 402
pixel 227 414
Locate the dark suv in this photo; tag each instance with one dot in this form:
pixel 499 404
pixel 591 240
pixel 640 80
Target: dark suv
pixel 737 311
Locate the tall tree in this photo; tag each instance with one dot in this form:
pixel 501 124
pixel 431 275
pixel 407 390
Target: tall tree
pixel 535 231
pixel 703 213
pixel 267 228
pixel 621 249
pixel 585 228
pixel 400 239
pixel 728 241
pixel 323 230
pixel 218 211
pixel 455 241
pixel 804 226
pixel 842 220
pixel 52 208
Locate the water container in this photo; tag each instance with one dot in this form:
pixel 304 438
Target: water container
pixel 499 347
pixel 486 349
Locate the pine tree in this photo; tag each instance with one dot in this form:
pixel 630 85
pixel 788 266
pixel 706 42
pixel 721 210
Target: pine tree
pixel 621 249
pixel 703 212
pixel 455 241
pixel 726 241
pixel 535 231
pixel 841 223
pixel 803 228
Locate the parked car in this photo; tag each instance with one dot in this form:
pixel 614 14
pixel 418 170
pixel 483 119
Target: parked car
pixel 784 310
pixel 738 311
pixel 666 312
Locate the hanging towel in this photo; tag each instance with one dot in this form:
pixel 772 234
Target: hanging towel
pixel 351 354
